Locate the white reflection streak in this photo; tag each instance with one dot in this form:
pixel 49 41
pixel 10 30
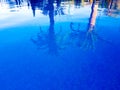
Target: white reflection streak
pixel 3 8
pixel 8 18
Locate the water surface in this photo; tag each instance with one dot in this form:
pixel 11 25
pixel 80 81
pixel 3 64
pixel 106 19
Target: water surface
pixel 47 46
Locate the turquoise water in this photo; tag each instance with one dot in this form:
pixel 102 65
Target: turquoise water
pixel 43 51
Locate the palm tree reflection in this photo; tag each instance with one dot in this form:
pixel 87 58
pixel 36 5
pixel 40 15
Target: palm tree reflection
pixel 53 42
pixel 52 45
pixel 47 41
pixel 80 37
pixel 40 40
pixel 92 36
pixel 83 39
pixel 89 42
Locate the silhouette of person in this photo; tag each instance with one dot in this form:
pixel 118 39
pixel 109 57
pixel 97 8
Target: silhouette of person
pixel 58 3
pixel 77 3
pixel 18 2
pixel 59 9
pixel 34 4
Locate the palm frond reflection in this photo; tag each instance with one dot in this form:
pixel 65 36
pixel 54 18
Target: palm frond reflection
pixel 87 39
pixel 54 41
pixel 40 39
pixel 84 40
pixel 89 42
pixel 50 41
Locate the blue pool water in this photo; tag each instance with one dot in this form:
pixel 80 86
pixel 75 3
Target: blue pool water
pixel 39 54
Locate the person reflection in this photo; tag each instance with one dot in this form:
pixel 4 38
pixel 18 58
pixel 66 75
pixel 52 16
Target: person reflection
pixel 110 3
pixel 59 9
pixel 18 2
pixel 58 3
pixel 34 4
pixel 113 8
pixel 77 3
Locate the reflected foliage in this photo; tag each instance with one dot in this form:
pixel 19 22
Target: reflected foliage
pixel 44 5
pixel 40 40
pixel 83 39
pixel 112 6
pixel 86 40
pixel 48 40
pixel 89 42
pixel 52 41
